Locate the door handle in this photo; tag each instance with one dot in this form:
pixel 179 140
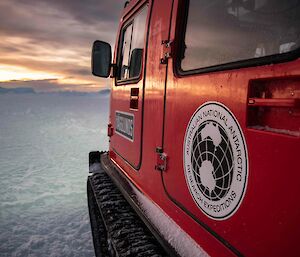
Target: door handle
pixel 274 102
pixel 134 98
pixel 273 105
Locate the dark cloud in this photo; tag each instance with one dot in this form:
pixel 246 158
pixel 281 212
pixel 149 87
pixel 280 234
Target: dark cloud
pixel 87 11
pixel 60 20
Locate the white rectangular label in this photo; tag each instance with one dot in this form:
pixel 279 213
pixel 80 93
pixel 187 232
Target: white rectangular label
pixel 125 125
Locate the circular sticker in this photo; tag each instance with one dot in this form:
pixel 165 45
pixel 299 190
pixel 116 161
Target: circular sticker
pixel 215 160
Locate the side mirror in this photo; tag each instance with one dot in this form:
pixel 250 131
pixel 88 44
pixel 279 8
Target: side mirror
pixel 101 59
pixel 135 64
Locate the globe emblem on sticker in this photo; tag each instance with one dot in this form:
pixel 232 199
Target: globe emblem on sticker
pixel 212 160
pixel 215 160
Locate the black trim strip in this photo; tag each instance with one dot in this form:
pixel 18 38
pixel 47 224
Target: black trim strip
pixel 272 59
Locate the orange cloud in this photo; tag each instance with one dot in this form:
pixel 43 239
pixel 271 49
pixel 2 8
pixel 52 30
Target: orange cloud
pixel 51 41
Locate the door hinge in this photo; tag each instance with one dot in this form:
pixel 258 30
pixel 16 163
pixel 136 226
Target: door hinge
pixel 161 160
pixel 167 51
pixel 110 130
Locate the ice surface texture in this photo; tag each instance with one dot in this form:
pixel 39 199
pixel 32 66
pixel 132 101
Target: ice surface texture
pixel 45 141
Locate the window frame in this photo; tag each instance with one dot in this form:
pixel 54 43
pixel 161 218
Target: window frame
pixel 125 25
pixel 181 25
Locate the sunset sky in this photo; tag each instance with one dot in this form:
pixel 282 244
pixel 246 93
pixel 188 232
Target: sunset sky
pixel 46 44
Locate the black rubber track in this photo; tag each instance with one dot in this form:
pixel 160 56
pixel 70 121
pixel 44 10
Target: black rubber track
pixel 112 217
pixel 98 228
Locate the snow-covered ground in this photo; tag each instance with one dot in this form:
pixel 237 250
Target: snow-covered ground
pixel 44 146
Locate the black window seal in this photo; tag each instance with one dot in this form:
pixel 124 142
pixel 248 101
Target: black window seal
pixel 247 63
pixel 133 80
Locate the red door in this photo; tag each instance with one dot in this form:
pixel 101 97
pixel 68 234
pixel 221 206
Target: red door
pixel 232 124
pixel 128 89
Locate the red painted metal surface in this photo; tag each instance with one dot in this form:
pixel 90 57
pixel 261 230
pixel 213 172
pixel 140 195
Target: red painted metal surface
pixel 267 221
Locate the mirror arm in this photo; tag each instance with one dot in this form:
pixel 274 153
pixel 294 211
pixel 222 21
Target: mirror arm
pixel 113 70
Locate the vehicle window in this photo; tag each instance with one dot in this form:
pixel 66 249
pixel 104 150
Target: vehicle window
pixel 126 51
pixel 133 46
pixel 219 32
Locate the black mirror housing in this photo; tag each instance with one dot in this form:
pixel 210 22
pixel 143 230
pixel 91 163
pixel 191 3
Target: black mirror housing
pixel 101 59
pixel 135 65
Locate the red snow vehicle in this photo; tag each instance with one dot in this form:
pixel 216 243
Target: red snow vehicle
pixel 204 131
